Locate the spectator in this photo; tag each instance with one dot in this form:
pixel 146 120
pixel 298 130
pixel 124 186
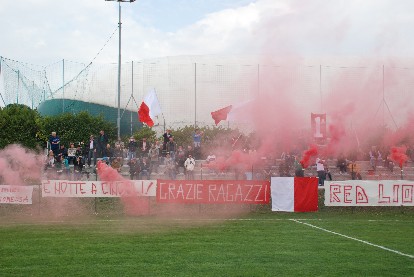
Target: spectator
pixel 145 169
pixel 153 155
pixel 167 135
pixel 320 169
pixel 180 156
pixel 71 153
pixel 116 164
pixel 62 154
pixel 50 160
pixel 353 168
pixel 299 170
pixel 144 147
pixel 197 142
pixel 170 166
pixel 341 164
pixel 134 168
pixel 118 152
pixel 90 148
pixel 107 153
pixel 172 148
pixel 78 167
pixel 101 144
pixel 132 148
pixel 54 142
pixel 374 157
pixel 189 165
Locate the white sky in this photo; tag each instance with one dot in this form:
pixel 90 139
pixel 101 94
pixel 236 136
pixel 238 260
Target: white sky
pixel 46 31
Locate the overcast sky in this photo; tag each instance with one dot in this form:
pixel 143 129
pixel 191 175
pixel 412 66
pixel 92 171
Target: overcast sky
pixel 46 31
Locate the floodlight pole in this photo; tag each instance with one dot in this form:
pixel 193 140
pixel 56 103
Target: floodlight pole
pixel 118 121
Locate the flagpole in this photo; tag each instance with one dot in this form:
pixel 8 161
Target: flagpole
pixel 118 121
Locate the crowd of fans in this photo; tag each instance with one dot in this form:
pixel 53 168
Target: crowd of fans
pixel 145 158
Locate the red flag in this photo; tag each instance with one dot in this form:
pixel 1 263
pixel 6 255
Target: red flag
pixel 221 114
pixel 143 115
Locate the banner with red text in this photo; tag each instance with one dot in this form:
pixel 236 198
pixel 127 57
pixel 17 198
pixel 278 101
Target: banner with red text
pixel 16 194
pixel 213 191
pixel 369 193
pixel 65 188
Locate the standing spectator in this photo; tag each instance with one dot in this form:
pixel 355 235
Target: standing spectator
pixel 167 135
pixel 189 165
pixel 197 142
pixel 170 166
pixel 180 156
pixel 90 149
pixel 107 153
pixel 144 147
pixel 153 155
pixel 320 169
pixel 54 142
pixel 299 171
pixel 132 148
pixel 172 148
pixel 373 155
pixel 101 144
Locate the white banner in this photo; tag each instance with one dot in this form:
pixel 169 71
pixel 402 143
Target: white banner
pixel 65 188
pixel 16 194
pixel 369 193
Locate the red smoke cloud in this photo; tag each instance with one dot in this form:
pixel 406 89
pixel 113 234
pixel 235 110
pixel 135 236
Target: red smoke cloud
pixel 20 166
pixel 307 155
pixel 133 205
pixel 398 155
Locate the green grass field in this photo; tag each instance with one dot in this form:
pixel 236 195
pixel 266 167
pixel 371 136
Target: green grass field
pixel 334 243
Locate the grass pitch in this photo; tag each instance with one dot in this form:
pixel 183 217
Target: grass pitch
pixel 257 244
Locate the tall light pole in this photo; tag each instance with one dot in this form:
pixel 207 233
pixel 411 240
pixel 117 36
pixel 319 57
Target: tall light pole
pixel 118 121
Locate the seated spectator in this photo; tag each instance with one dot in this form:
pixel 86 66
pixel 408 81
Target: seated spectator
pixel 353 168
pixel 171 167
pixel 210 158
pixel 50 160
pixel 116 164
pixel 341 164
pixel 134 168
pixel 78 167
pixel 71 153
pixel 145 169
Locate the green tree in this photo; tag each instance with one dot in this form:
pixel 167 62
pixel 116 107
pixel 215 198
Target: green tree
pixel 19 124
pixel 77 127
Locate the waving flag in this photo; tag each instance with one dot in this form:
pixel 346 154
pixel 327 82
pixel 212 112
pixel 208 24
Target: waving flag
pixel 239 112
pixel 294 194
pixel 149 108
pixel 221 114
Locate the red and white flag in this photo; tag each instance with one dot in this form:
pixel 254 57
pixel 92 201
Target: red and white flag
pixel 149 108
pixel 294 194
pixel 239 112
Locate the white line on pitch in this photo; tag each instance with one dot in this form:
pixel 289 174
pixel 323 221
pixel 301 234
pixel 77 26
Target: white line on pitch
pixel 352 238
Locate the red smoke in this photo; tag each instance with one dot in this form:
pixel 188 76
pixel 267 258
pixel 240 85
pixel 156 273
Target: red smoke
pixel 307 155
pixel 398 155
pixel 20 166
pixel 133 205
